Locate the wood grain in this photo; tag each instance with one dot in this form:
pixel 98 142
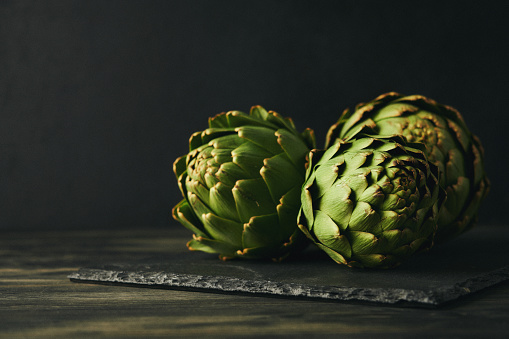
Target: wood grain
pixel 38 300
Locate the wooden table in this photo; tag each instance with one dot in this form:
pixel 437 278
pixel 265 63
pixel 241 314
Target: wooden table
pixel 37 299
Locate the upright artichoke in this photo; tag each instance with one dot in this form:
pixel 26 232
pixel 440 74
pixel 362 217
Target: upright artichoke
pixel 241 184
pixel 449 145
pixel 370 201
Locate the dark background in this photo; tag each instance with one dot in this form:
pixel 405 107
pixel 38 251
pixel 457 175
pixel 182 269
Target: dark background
pixel 97 98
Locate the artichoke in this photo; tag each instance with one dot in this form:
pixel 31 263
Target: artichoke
pixel 449 145
pixel 370 201
pixel 241 183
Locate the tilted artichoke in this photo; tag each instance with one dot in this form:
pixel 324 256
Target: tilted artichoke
pixel 449 145
pixel 370 201
pixel 241 184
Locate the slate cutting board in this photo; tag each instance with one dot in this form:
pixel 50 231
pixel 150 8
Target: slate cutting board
pixel 473 261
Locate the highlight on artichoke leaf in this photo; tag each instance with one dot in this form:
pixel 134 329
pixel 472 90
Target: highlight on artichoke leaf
pixel 241 183
pixel 371 201
pixel 449 145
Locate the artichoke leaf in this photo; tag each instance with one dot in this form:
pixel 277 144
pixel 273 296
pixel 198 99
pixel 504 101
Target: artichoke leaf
pixel 390 220
pixel 287 212
pixel 197 188
pixel 221 201
pixel 337 204
pixel 212 246
pixel 355 160
pixel 363 242
pixel 180 166
pixel 250 158
pixel 279 121
pixel 259 112
pixel 394 110
pixel 454 166
pixel 292 198
pixel 462 137
pixel 276 252
pixel 184 214
pixel 210 134
pixel 325 175
pixel 310 174
pixel 457 195
pixel 372 195
pixel 238 119
pixel 181 182
pixel 309 138
pixel 416 245
pixel 393 202
pixel 477 162
pixel 378 260
pixel 263 137
pixel 321 156
pixel 328 234
pixel 357 181
pixel 221 120
pixel 366 126
pixel 340 259
pixel 428 227
pixel 195 141
pixel 444 141
pixel 362 144
pixel 294 148
pixel 302 224
pixel 223 230
pixel 351 118
pixel 306 211
pixel 229 172
pixel 378 159
pixel 364 218
pixel 198 206
pixel 210 178
pixel 287 221
pixel 261 231
pixel 227 142
pixel 391 239
pixel 280 176
pixel 252 198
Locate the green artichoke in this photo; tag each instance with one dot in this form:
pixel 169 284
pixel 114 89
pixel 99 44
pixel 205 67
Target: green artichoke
pixel 449 145
pixel 370 201
pixel 241 183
